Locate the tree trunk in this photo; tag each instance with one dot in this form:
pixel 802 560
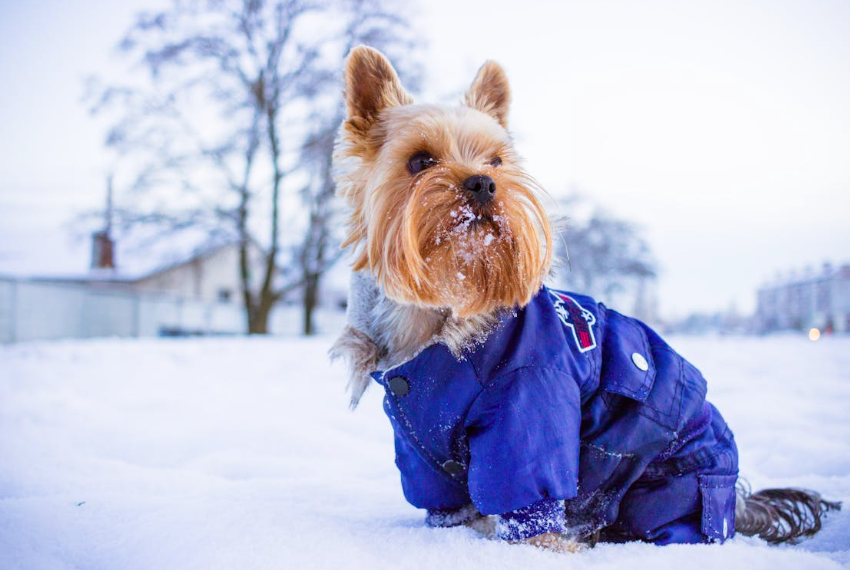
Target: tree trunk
pixel 311 299
pixel 267 295
pixel 259 324
pixel 258 319
pixel 242 227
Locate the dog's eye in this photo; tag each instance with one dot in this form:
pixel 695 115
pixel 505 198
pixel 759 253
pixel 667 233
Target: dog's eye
pixel 420 161
pixel 496 161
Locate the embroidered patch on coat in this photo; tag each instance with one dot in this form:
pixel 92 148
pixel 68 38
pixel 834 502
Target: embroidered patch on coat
pixel 579 319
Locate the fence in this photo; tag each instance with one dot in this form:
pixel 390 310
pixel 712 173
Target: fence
pixel 44 310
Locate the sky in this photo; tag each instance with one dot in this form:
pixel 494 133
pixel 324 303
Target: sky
pixel 721 129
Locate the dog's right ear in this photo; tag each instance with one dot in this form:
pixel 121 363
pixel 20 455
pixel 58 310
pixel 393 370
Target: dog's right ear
pixel 371 85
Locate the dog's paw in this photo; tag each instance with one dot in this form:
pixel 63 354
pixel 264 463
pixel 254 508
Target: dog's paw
pixel 484 525
pixel 556 542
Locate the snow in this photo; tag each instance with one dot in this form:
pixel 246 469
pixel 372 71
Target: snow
pixel 466 240
pixel 242 453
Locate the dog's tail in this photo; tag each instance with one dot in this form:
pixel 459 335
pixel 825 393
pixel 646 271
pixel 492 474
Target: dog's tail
pixel 780 515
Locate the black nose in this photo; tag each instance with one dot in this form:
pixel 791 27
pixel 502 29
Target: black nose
pixel 482 188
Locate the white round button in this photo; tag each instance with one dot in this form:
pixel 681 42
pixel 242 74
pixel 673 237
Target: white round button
pixel 640 361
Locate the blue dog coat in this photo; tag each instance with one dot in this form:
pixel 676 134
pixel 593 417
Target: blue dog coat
pixel 569 416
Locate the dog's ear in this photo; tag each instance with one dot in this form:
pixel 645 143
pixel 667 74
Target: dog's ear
pixel 371 85
pixel 490 93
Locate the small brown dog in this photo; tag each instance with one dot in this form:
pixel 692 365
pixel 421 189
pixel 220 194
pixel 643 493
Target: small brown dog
pixel 442 263
pixel 560 416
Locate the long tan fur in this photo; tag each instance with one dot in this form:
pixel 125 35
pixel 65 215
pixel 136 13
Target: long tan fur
pixel 418 235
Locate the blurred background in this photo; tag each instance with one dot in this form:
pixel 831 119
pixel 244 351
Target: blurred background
pixel 165 172
pixel 165 166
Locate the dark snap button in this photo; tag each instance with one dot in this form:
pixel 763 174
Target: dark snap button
pixel 452 467
pixel 399 386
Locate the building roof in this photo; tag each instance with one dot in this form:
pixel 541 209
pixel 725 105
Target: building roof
pixel 119 275
pixel 792 278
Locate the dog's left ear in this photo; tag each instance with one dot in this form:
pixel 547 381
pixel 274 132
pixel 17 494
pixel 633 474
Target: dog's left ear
pixel 490 93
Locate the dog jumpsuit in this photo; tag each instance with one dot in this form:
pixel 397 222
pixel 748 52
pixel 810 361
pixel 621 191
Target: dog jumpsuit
pixel 569 417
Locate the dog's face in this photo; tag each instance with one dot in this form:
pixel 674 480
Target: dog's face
pixel 442 213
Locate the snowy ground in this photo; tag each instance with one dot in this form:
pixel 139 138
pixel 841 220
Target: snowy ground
pixel 236 453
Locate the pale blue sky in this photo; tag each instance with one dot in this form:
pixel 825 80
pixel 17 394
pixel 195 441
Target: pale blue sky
pixel 723 128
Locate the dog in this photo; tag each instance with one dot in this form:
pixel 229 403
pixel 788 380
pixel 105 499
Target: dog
pixel 533 415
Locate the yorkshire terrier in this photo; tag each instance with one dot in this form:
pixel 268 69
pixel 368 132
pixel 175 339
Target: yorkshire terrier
pixel 530 414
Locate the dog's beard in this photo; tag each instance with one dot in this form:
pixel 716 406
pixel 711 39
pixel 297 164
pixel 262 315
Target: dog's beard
pixel 431 246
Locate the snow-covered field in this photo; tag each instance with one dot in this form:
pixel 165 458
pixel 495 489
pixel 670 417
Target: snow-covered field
pixel 242 453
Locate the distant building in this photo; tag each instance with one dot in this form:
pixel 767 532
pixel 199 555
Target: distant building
pixel 196 294
pixel 806 300
pixel 210 274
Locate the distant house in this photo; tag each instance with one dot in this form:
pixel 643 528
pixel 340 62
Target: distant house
pixel 210 274
pixel 198 294
pixel 809 300
pixel 213 275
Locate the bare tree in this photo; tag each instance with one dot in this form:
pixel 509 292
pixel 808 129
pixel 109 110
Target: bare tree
pixel 215 126
pixel 604 255
pixel 372 24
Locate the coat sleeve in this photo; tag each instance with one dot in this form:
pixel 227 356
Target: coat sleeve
pixel 424 487
pixel 524 440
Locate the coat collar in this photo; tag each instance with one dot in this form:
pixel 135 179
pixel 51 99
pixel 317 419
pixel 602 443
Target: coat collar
pixel 381 333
